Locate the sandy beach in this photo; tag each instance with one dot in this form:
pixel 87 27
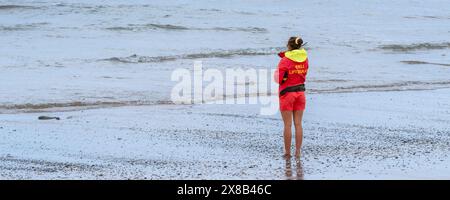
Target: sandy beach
pixel 347 136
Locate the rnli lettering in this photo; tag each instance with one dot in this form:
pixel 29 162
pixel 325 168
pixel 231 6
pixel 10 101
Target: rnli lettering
pixel 299 66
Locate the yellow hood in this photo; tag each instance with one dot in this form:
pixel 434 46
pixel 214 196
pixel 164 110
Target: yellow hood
pixel 298 55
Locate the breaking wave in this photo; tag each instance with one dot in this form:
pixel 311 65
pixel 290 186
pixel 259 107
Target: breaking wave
pixel 76 105
pixel 246 29
pixel 401 86
pixel 415 47
pixel 21 27
pixel 427 17
pixel 143 27
pixel 415 62
pixel 216 54
pixel 328 80
pixel 15 7
pixel 139 27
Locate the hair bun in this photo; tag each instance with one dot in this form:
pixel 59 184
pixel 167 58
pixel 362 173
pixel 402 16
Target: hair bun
pixel 295 42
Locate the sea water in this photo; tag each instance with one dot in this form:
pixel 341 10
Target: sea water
pixel 59 54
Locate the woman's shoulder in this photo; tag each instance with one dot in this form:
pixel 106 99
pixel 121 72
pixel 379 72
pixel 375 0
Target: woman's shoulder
pixel 285 62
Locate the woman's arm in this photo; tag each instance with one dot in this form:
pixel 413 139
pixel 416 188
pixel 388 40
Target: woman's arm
pixel 280 72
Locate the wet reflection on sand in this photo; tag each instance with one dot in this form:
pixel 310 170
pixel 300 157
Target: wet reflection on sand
pixel 299 175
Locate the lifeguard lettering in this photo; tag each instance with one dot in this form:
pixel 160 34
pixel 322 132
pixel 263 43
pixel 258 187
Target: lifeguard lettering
pixel 299 69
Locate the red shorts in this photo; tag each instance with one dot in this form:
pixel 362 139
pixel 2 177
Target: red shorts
pixel 293 101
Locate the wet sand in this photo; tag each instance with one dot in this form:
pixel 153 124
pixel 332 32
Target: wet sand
pixel 358 135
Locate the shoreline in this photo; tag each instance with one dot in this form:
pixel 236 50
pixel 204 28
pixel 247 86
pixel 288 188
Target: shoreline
pixel 382 135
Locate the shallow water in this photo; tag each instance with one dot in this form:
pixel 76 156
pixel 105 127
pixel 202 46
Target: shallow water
pixel 98 52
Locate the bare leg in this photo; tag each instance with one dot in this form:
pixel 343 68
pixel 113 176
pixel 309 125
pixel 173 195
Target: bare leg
pixel 287 119
pixel 298 116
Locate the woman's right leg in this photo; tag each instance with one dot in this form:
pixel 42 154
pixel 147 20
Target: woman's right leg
pixel 287 119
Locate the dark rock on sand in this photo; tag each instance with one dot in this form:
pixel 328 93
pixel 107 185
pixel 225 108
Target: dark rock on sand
pixel 47 118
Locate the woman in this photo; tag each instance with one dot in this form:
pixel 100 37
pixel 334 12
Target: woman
pixel 291 75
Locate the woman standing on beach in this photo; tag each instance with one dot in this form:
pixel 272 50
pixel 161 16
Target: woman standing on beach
pixel 291 75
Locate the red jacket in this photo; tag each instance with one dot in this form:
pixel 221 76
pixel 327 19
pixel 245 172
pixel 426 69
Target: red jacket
pixel 293 63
